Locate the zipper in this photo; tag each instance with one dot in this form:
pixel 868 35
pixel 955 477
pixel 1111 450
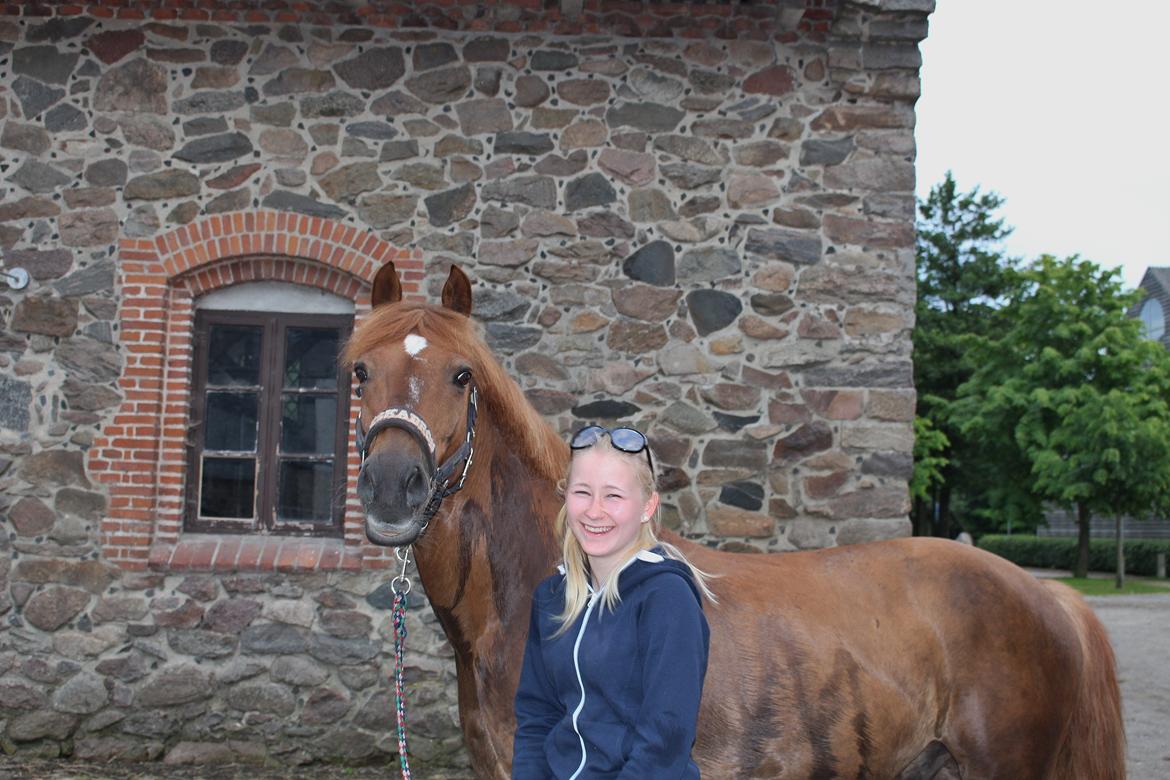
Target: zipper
pixel 577 668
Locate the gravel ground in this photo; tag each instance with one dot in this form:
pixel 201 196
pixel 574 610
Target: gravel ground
pixel 1139 627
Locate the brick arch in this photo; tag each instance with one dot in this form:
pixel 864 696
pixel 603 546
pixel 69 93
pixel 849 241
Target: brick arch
pixel 140 456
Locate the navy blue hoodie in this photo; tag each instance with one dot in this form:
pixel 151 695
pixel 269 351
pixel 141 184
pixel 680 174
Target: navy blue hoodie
pixel 617 694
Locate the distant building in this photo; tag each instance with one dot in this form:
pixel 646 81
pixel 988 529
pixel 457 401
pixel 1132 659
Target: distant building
pixel 1154 308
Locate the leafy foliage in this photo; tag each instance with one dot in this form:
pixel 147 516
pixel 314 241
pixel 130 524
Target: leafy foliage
pixel 1071 392
pixel 963 280
pixel 929 443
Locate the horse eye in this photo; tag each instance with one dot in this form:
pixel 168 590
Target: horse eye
pixel 362 375
pixel 463 378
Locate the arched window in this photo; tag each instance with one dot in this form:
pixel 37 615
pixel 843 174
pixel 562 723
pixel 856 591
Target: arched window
pixel 229 451
pixel 269 411
pixel 1153 320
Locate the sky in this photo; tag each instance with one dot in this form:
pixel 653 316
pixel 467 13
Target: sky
pixel 1059 106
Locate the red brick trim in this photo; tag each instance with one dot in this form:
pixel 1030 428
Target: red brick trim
pixel 141 455
pixel 224 553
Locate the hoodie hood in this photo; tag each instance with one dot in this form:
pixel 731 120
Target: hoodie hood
pixel 647 564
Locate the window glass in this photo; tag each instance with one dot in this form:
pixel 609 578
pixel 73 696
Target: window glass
pixel 233 357
pixel 231 422
pixel 229 488
pixel 304 491
pixel 310 358
pixel 1153 320
pixel 308 424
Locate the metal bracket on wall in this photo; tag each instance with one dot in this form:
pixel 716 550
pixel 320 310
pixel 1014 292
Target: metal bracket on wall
pixel 17 278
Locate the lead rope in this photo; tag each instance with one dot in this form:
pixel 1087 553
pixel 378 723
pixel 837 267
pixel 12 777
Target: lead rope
pixel 401 586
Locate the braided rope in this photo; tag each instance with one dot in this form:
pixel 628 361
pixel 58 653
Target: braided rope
pixel 399 617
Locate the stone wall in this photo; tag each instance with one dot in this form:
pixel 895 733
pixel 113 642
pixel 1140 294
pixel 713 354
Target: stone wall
pixel 103 664
pixel 694 219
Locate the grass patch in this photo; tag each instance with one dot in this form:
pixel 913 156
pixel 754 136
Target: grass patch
pixel 1100 586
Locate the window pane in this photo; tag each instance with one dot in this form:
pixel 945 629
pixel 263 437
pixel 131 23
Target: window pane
pixel 1153 320
pixel 229 487
pixel 304 491
pixel 310 358
pixel 308 424
pixel 231 422
pixel 233 356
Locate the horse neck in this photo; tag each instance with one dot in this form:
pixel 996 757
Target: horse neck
pixel 490 544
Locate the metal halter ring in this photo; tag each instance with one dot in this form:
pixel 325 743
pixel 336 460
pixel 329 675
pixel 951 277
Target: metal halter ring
pixel 401 584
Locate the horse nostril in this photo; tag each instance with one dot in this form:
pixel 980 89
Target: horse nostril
pixel 414 487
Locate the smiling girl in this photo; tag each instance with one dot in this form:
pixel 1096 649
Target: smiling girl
pixel 617 644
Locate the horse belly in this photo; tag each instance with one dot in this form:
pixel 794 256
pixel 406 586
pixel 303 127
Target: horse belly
pixel 821 720
pixel 933 763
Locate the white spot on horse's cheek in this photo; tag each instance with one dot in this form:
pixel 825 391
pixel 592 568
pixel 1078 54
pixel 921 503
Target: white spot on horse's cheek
pixel 414 344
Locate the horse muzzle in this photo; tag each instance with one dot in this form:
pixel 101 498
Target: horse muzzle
pixel 395 492
pixel 400 493
pixel 387 535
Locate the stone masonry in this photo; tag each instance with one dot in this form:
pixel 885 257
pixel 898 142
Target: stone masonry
pixel 697 219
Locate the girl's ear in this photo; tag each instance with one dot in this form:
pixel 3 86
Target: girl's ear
pixel 651 507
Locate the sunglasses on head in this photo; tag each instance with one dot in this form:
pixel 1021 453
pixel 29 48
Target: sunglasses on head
pixel 624 439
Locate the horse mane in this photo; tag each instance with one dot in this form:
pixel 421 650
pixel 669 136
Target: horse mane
pixel 539 446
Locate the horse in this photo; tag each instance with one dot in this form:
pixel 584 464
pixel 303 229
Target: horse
pixel 910 659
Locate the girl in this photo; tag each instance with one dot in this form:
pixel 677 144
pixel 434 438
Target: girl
pixel 617 644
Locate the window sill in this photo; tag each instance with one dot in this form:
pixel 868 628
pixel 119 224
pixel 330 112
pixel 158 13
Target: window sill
pixel 230 553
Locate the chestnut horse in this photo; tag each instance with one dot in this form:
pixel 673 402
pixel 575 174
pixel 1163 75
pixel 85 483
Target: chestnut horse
pixel 911 658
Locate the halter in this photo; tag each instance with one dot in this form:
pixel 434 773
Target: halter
pixel 398 417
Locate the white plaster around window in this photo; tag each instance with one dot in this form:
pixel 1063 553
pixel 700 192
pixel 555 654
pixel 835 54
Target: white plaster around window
pixel 274 296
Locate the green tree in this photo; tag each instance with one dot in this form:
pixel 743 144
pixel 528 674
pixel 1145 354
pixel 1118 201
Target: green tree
pixel 928 462
pixel 1073 393
pixel 963 279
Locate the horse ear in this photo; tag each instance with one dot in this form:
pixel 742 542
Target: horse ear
pixel 457 292
pixel 387 288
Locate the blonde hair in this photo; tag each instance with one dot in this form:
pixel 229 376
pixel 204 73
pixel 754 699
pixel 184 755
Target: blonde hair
pixel 576 562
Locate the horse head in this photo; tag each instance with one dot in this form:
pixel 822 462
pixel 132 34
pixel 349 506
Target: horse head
pixel 418 401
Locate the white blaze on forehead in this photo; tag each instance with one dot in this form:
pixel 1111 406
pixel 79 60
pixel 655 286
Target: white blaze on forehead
pixel 414 344
pixel 415 390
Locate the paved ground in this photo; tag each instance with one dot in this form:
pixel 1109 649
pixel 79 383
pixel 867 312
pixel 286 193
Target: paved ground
pixel 1139 627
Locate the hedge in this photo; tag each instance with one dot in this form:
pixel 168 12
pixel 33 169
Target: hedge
pixel 1061 553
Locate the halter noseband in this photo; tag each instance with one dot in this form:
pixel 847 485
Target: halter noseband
pixel 398 417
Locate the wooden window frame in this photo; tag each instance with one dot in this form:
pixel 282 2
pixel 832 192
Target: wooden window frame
pixel 274 327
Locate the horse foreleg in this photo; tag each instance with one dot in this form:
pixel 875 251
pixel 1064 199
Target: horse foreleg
pixel 935 762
